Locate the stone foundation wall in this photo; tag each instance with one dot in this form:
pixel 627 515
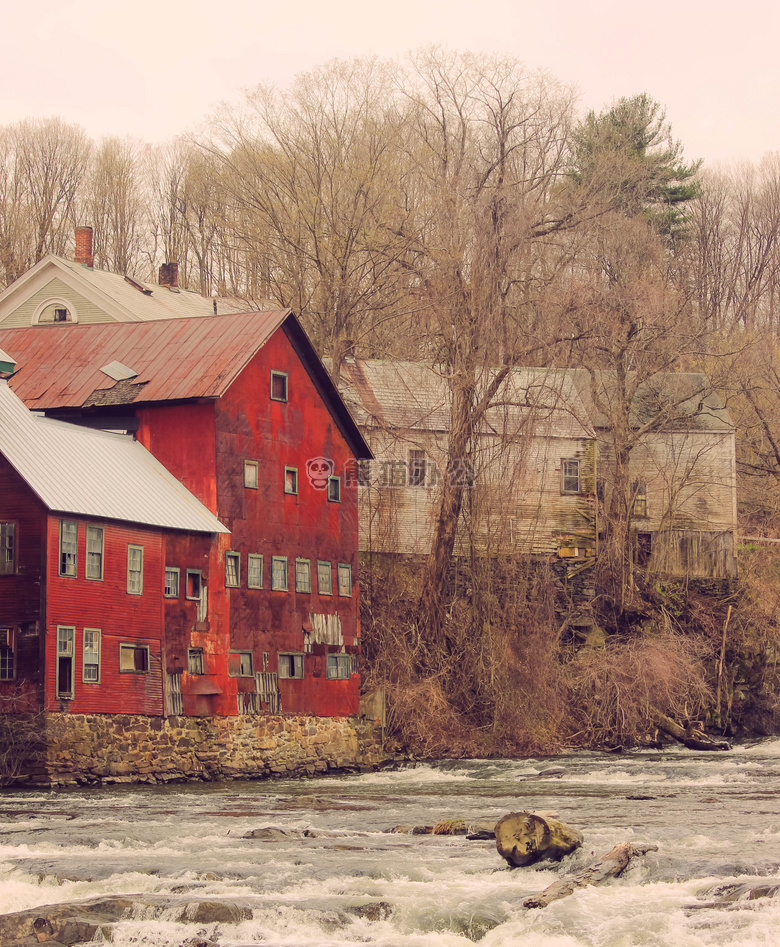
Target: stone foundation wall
pixel 69 749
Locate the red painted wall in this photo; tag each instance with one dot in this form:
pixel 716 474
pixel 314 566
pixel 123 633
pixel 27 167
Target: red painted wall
pixel 120 616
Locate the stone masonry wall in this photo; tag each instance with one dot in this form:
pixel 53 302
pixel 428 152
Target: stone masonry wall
pixel 77 748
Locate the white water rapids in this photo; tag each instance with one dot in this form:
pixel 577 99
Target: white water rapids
pixel 714 816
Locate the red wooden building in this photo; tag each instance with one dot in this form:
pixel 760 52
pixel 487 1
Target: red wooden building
pixel 241 412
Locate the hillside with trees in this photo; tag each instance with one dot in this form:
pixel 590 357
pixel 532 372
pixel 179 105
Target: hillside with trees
pixel 458 210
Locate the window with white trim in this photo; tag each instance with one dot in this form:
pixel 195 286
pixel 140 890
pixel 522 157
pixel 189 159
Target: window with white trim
pixel 324 578
pixel 345 579
pixel 7 548
pixel 254 571
pixel 302 575
pixel 570 475
pixel 69 540
pixel 279 573
pixel 64 684
pixel 171 586
pixel 90 656
pixel 7 669
pixel 232 569
pixel 135 570
pixel 94 568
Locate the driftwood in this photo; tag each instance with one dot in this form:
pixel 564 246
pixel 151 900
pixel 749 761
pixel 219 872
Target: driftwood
pixel 692 738
pixel 523 838
pixel 607 866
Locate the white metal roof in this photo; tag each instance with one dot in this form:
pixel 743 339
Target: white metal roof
pixel 93 473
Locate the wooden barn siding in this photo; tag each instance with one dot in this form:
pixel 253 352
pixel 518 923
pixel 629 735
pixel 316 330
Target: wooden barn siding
pixel 694 554
pixel 22 594
pixel 516 505
pixel 121 617
pixel 86 311
pixel 266 521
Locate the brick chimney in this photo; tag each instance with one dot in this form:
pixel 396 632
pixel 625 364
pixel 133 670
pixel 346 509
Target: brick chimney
pixel 84 247
pixel 169 274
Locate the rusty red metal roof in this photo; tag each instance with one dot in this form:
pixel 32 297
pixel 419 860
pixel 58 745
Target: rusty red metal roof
pixel 60 366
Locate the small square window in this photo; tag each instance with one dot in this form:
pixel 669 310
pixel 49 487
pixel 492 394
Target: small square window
pixel 324 578
pixel 7 548
pixel 133 658
pixel 195 660
pixel 194 582
pixel 171 587
pixel 290 480
pixel 254 576
pixel 302 575
pixel 240 664
pixel 279 573
pixel 232 569
pixel 570 476
pixel 94 568
pixel 135 570
pixel 334 489
pixel 279 386
pixel 338 667
pixel 345 579
pixel 250 474
pixel 91 656
pixel 290 666
pixel 69 535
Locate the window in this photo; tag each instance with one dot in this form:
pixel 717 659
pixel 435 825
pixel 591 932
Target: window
pixel 290 666
pixel 639 498
pixel 94 552
pixel 171 587
pixel 254 572
pixel 133 658
pixel 345 579
pixel 278 386
pixel 232 569
pixel 65 637
pixel 279 573
pixel 570 476
pixel 417 468
pixel 53 310
pixel 250 474
pixel 90 669
pixel 6 654
pixel 194 581
pixel 240 664
pixel 324 579
pixel 302 575
pixel 334 489
pixel 7 548
pixel 60 315
pixel 337 667
pixel 135 570
pixel 195 660
pixel 69 536
pixel 290 480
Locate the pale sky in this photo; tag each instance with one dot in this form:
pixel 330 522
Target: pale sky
pixel 152 69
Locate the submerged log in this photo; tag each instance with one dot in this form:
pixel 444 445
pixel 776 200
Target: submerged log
pixel 607 866
pixel 523 838
pixel 692 738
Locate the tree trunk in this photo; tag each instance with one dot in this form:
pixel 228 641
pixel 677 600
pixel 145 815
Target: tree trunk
pixel 693 739
pixel 523 838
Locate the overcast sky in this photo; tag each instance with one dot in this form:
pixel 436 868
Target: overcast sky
pixel 152 69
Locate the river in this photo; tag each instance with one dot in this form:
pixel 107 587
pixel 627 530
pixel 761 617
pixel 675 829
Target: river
pixel 715 818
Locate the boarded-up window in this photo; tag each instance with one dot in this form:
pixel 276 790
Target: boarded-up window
pixel 279 573
pixel 195 660
pixel 302 575
pixel 250 474
pixel 345 579
pixel 254 576
pixel 240 664
pixel 324 578
pixel 278 386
